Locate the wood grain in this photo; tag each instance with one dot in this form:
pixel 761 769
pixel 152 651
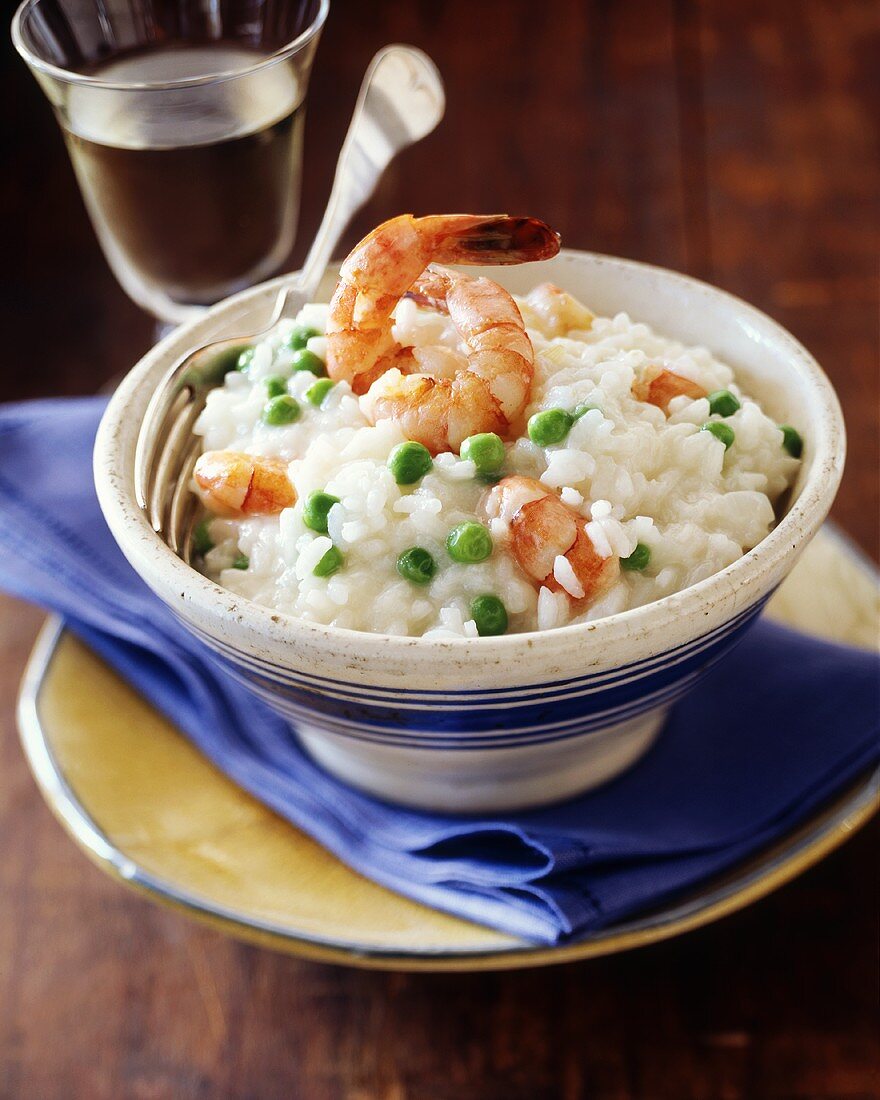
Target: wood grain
pixel 733 139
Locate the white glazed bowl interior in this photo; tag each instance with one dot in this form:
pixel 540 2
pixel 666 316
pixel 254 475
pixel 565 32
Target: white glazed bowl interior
pixel 769 363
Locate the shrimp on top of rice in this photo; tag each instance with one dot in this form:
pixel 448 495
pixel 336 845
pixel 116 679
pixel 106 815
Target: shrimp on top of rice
pixel 431 455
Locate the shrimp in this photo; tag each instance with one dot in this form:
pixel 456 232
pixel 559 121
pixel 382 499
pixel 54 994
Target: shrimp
pixel 543 529
pixel 489 389
pixel 658 386
pixel 492 385
pixel 234 484
pixel 557 311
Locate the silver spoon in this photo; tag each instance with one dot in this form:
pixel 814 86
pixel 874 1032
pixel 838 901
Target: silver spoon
pixel 401 101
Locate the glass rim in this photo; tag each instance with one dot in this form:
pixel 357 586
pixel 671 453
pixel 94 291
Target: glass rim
pixel 68 76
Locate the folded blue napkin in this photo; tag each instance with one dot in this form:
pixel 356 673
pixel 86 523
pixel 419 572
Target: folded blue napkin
pixel 778 728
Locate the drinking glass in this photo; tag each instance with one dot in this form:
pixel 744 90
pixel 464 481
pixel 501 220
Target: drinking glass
pixel 184 123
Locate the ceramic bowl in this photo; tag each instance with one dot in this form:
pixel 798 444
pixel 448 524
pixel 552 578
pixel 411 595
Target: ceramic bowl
pixel 475 725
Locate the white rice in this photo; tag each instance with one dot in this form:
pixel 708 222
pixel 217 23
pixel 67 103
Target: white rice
pixel 634 474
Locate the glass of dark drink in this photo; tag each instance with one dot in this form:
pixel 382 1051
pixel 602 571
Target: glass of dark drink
pixel 184 122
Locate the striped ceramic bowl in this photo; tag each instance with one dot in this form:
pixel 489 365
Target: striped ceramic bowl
pixel 525 719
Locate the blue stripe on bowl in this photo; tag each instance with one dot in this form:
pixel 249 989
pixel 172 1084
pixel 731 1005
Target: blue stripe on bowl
pixel 504 718
pixel 502 738
pixel 406 698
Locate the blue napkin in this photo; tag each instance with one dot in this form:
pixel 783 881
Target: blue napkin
pixel 778 728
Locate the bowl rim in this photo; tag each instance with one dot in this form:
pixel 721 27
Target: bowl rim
pixel 282 630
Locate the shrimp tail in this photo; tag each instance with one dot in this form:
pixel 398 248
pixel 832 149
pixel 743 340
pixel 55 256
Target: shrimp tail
pixel 493 239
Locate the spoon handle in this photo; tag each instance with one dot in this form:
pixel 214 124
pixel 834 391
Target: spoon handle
pixel 401 101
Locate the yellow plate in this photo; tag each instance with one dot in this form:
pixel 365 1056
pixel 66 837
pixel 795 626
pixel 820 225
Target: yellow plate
pixel 151 811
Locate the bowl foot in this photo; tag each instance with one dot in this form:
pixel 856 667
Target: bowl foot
pixel 482 780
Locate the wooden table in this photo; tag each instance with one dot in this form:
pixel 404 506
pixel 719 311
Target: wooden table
pixel 736 141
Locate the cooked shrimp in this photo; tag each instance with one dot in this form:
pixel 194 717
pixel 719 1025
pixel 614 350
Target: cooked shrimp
pixel 234 484
pixel 379 271
pixel 658 386
pixel 543 529
pixel 557 311
pixel 490 389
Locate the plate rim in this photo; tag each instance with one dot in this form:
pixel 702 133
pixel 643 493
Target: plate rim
pixel 761 875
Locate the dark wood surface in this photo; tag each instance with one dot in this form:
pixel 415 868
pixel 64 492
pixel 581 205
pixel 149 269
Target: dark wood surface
pixel 737 141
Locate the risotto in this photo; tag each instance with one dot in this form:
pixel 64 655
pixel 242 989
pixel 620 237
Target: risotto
pixel 664 468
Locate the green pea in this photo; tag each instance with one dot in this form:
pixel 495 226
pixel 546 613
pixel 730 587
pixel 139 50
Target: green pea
pixel 416 565
pixel 792 440
pixel 581 410
pixel 241 562
pixel 307 360
pixel 201 538
pixel 409 462
pixel 722 432
pixel 549 426
pixel 329 564
pixel 469 543
pixel 638 559
pixel 490 616
pixel 723 403
pixel 316 509
pixel 300 336
pixel 245 359
pixel 281 410
pixel 275 385
pixel 485 450
pixel 316 393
